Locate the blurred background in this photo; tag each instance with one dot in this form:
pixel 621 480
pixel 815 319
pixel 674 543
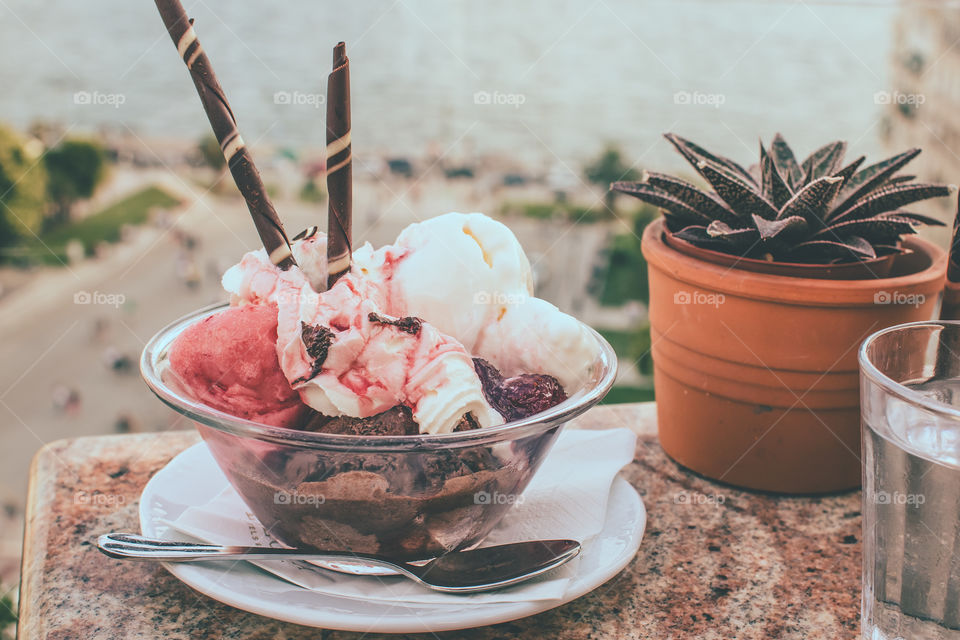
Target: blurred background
pixel 117 217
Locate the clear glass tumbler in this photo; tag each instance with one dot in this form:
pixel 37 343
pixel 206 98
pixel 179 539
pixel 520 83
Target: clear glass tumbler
pixel 910 404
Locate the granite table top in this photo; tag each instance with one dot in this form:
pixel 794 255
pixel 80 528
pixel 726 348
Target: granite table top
pixel 715 562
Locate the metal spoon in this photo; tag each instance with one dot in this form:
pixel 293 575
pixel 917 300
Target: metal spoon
pixel 481 569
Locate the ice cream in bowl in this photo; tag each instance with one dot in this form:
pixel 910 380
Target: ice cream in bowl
pixel 401 410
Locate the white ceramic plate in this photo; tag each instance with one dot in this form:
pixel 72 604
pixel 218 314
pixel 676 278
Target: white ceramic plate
pixel 193 478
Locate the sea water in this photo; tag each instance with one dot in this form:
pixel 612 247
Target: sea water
pixel 911 537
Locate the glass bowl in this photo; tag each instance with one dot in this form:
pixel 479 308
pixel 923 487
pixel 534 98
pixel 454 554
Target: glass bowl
pixel 407 497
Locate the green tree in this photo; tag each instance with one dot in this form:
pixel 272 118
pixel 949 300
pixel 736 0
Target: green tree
pixel 8 616
pixel 76 168
pixel 313 191
pixel 639 349
pixel 23 186
pixel 210 151
pixel 624 276
pixel 212 156
pixel 609 167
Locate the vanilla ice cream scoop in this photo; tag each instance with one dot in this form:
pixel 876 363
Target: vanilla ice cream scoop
pixel 533 336
pixel 468 275
pixel 455 270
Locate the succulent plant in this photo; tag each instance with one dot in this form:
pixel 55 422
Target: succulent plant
pixel 782 210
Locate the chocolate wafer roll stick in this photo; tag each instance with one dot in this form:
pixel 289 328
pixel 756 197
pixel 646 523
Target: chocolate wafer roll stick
pixel 950 309
pixel 224 124
pixel 339 168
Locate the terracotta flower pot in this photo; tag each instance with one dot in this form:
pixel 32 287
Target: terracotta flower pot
pixel 756 375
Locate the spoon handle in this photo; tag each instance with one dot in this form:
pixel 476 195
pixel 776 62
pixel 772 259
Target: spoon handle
pixel 137 547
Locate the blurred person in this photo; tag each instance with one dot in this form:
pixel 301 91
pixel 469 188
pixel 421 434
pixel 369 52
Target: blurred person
pixel 66 399
pixel 73 404
pixel 101 327
pixel 187 270
pixel 116 360
pixel 59 396
pixel 126 423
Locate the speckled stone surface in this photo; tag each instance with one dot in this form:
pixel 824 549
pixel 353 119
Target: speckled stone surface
pixel 715 562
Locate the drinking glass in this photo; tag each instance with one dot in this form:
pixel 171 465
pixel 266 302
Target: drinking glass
pixel 910 407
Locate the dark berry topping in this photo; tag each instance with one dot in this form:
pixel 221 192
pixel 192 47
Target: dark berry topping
pixel 520 396
pixel 409 324
pixel 317 340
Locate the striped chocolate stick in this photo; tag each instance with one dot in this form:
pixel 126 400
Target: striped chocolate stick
pixel 950 309
pixel 339 168
pixel 224 124
pixel 307 233
pixel 953 264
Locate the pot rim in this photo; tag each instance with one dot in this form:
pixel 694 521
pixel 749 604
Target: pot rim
pixel 791 289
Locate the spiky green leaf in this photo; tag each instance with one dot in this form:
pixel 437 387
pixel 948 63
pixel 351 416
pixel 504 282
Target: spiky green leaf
pixel 847 250
pixel 707 203
pixel 786 162
pixel 813 201
pixel 775 188
pixel 824 161
pixel 861 245
pixel 697 235
pixel 914 218
pixel 719 235
pixel 872 229
pixel 889 198
pixel 737 193
pixel 868 179
pixel 694 154
pixel 901 179
pixel 680 211
pixel 740 237
pixel 848 171
pixel 782 229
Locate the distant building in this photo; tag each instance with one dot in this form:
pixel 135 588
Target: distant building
pixel 922 106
